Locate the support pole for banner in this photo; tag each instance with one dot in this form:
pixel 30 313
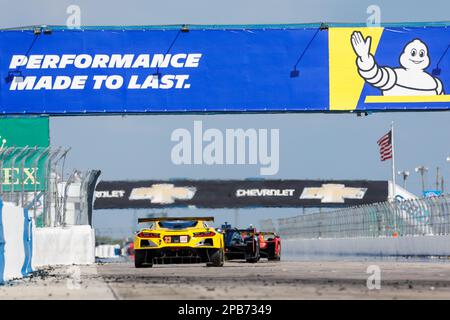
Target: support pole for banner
pixel 393 161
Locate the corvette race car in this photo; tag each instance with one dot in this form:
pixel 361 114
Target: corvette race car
pixel 178 240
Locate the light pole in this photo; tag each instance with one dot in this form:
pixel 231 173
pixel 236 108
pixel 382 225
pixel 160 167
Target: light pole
pixel 404 175
pixel 422 170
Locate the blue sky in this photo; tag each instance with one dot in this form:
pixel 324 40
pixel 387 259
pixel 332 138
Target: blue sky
pixel 338 146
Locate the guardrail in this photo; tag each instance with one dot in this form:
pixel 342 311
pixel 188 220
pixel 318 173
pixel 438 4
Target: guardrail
pixel 34 178
pixel 428 216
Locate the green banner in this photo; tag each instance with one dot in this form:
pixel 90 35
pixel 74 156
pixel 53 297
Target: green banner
pixel 23 153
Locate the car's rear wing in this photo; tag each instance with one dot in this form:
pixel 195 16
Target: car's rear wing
pixel 144 220
pixel 267 233
pixel 242 230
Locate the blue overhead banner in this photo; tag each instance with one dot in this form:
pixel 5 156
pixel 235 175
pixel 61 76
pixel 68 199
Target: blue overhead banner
pixel 134 71
pixel 232 69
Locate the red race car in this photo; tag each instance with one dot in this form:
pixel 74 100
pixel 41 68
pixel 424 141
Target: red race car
pixel 269 245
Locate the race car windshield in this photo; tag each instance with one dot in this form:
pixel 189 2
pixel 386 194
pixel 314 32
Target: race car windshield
pixel 177 224
pixel 233 237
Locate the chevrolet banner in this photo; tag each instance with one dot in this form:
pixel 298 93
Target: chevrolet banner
pixel 231 69
pixel 238 193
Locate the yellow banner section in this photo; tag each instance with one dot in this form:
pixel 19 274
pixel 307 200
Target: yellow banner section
pixel 405 99
pixel 345 83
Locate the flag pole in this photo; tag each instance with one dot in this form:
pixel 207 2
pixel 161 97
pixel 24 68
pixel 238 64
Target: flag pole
pixel 393 161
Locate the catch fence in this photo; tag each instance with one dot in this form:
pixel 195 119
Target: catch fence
pixel 35 178
pixel 427 216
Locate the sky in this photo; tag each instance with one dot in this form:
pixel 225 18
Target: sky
pixel 312 146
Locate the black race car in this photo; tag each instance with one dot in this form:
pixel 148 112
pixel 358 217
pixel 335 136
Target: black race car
pixel 241 244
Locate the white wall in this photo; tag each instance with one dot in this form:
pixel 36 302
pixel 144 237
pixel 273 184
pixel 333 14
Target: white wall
pixel 16 255
pixel 63 246
pixel 107 251
pixel 401 246
pixel 24 248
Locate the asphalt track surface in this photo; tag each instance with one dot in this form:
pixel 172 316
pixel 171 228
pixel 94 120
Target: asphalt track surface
pixel 238 280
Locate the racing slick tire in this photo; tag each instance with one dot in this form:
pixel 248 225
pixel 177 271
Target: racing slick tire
pixel 256 257
pixel 216 258
pixel 275 256
pixel 140 259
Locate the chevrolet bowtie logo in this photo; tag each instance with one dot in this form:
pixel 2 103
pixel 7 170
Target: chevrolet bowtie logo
pixel 333 193
pixel 163 193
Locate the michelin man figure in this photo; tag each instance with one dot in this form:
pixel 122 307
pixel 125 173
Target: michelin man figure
pixel 410 79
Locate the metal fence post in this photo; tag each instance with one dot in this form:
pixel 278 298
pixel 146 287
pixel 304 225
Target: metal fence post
pixel 59 199
pixel 31 152
pixel 13 169
pixel 3 156
pixel 36 165
pixel 47 198
pixel 66 190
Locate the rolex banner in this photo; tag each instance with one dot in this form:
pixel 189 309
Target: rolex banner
pixel 238 193
pixel 23 168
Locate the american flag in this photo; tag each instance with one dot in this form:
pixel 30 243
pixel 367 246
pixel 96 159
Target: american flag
pixel 385 144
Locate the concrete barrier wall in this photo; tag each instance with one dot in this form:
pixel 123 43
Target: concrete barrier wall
pixel 401 246
pixel 24 248
pixel 63 246
pixel 107 251
pixel 15 242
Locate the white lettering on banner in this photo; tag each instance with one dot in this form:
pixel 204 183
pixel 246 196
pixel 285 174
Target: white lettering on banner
pixel 117 61
pixel 166 82
pixel 110 194
pixel 265 192
pixel 51 62
pixel 111 82
pixel 28 174
pixel 153 80
pixel 83 61
pixel 49 83
pixel 34 62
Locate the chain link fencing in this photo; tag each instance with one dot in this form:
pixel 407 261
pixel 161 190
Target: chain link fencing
pixel 34 178
pixel 416 217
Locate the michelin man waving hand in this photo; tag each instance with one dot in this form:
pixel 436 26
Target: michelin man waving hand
pixel 410 79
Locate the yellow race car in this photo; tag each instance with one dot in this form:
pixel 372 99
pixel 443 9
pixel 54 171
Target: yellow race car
pixel 178 240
